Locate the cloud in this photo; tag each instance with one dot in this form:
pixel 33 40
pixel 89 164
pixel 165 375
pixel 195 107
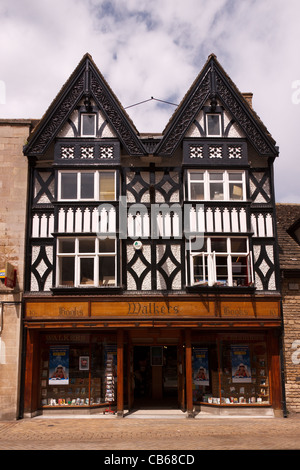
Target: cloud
pixel 156 48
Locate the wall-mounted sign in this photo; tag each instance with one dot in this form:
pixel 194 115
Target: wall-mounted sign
pixel 138 245
pixel 9 274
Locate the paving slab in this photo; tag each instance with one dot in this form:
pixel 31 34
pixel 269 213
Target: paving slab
pixel 163 433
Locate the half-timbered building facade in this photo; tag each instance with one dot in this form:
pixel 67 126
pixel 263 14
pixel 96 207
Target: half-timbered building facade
pixel 151 265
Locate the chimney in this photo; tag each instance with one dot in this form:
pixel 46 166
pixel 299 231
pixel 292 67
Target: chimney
pixel 248 97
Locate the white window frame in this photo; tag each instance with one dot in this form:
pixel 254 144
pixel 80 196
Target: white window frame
pixel 81 124
pixel 209 263
pixel 225 181
pixel 97 177
pixel 77 255
pixel 220 124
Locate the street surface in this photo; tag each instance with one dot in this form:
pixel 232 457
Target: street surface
pixel 111 434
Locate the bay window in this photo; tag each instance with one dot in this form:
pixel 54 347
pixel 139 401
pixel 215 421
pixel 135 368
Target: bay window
pixel 86 262
pixel 223 261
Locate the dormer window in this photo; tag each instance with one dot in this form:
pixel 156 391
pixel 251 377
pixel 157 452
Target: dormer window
pixel 213 125
pixel 88 125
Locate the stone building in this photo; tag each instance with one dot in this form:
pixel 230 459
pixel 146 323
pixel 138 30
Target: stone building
pixel 13 196
pixel 288 229
pixel 152 274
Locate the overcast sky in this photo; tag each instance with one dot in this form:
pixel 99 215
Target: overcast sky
pixel 156 48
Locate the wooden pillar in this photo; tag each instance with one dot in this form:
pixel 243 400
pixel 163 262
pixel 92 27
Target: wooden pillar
pixel 189 374
pixel 181 372
pixel 274 369
pixel 31 374
pixel 120 373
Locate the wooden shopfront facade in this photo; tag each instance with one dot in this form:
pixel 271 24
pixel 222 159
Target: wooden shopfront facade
pixel 158 347
pixel 151 261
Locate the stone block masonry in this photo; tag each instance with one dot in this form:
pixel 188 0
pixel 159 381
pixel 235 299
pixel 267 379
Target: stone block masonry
pixel 13 198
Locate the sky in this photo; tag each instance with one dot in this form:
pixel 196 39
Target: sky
pixel 156 48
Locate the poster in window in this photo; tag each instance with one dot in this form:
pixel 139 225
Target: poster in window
pixel 84 363
pixel 200 366
pixel 59 365
pixel 240 364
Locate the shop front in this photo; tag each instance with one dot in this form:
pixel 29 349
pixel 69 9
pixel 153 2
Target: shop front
pixel 115 356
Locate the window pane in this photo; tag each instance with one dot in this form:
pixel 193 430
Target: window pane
pixel 235 176
pixel 86 246
pixel 88 124
pixel 107 246
pixel 86 271
pixel 199 269
pixel 196 176
pixel 68 186
pixel 216 192
pixel 67 271
pixel 67 246
pixel 240 271
pixel 87 185
pixel 219 245
pixel 197 191
pixel 221 268
pixel 216 176
pixel 107 271
pixel 213 124
pixel 235 191
pixel 107 186
pixel 238 245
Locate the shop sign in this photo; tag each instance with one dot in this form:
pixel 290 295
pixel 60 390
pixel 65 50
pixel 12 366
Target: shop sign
pixel 152 309
pixel 9 274
pixel 61 310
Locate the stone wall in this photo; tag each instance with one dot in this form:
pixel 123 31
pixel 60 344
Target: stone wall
pixel 13 197
pixel 291 314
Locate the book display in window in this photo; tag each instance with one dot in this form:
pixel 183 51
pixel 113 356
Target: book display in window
pixel 109 382
pixel 68 383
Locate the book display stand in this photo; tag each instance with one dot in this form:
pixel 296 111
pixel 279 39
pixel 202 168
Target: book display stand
pixel 109 384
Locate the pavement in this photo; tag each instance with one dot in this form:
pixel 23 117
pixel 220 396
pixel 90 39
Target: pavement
pixel 150 432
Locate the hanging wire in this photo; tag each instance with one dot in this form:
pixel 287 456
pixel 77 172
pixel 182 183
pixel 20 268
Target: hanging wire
pixel 150 99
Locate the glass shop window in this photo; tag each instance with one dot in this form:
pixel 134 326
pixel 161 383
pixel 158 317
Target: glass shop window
pixel 240 376
pixel 245 376
pixel 77 375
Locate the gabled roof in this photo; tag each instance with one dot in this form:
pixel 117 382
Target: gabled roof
pixel 213 82
pixel 288 216
pixel 85 81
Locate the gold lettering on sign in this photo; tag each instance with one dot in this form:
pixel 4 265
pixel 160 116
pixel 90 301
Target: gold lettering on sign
pixel 151 308
pixel 70 312
pixel 56 309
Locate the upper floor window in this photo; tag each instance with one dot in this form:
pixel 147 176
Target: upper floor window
pixel 213 125
pixel 222 261
pixel 87 185
pixel 209 185
pixel 86 262
pixel 88 125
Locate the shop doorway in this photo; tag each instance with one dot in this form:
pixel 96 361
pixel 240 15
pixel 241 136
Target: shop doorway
pixel 155 376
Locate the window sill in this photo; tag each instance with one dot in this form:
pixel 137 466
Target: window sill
pixel 87 290
pixel 221 288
